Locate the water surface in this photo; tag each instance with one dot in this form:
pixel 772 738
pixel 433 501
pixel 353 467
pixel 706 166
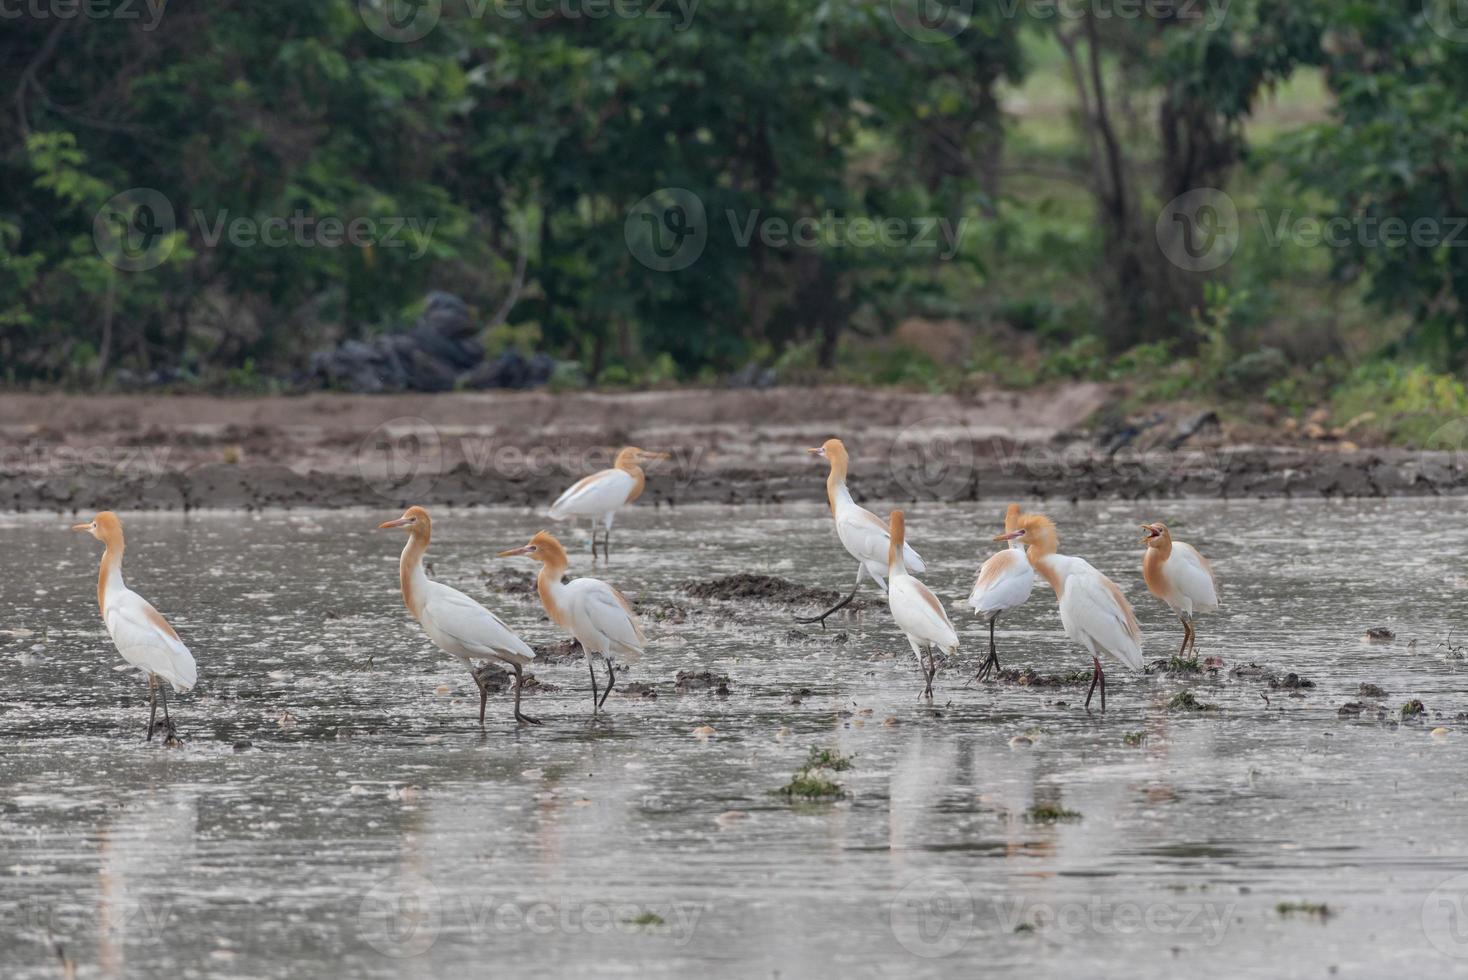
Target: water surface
pixel 336 808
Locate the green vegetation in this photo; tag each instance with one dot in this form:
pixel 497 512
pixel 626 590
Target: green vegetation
pixel 512 158
pixel 1186 701
pixel 811 782
pixel 1133 739
pixel 1047 813
pixel 1318 909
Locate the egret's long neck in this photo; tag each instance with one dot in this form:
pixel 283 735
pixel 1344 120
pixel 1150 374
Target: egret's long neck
pixel 1152 563
pixel 548 584
pixel 836 482
pixel 639 478
pixel 411 575
pixel 110 575
pixel 1044 560
pixel 896 563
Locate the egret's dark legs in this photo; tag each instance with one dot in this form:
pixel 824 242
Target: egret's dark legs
pixel 595 704
pixel 1192 638
pixel 992 663
pixel 611 679
pixel 152 703
pixel 838 606
pixel 483 693
pixel 523 719
pixel 1187 634
pixel 1098 676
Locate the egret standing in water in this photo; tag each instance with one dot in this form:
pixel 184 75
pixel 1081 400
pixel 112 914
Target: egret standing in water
pixel 1181 577
pixel 917 611
pixel 597 615
pixel 455 623
pixel 863 534
pixel 141 635
pixel 1005 581
pixel 1093 610
pixel 600 495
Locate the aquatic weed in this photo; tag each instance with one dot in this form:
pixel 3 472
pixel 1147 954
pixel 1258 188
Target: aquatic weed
pixel 1048 813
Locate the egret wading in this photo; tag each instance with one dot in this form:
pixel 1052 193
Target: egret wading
pixel 597 615
pixel 1005 581
pixel 1181 577
pixel 1093 610
pixel 864 535
pixel 917 611
pixel 600 495
pixel 455 623
pixel 140 633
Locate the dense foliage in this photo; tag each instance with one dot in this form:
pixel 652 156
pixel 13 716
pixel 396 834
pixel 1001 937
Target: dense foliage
pixel 838 167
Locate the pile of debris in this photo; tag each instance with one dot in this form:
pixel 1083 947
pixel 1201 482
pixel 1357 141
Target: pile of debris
pixel 440 353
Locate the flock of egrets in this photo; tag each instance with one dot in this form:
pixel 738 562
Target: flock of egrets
pixel 1093 611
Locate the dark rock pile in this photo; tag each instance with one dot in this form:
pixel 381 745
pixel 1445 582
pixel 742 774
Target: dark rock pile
pixel 440 353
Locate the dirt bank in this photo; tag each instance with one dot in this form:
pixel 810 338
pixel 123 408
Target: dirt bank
pixel 76 453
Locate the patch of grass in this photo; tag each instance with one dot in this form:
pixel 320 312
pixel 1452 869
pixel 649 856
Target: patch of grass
pixel 810 782
pixel 1177 665
pixel 1318 909
pixel 1413 709
pixel 1133 739
pixel 646 919
pixel 1186 701
pixel 1046 813
pixel 827 759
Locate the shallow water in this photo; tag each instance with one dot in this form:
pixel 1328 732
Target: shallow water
pixel 336 809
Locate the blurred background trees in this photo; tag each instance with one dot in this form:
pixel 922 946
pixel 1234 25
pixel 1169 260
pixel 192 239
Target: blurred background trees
pixel 515 140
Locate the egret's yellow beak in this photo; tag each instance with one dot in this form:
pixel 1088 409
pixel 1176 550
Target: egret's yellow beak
pixel 818 451
pixel 81 527
pixel 400 522
pixel 1009 536
pixel 524 549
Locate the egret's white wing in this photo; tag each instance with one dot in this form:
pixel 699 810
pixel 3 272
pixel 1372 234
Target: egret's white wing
pixel 449 614
pixel 1004 581
pixel 594 495
pixel 1093 608
pixel 145 640
pixel 919 613
pixel 866 537
pixel 1189 573
pixel 603 615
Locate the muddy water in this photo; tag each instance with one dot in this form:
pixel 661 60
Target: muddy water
pixel 337 810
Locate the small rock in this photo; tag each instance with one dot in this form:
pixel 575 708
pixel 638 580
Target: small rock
pixel 1370 691
pixel 1021 742
pixel 703 731
pixel 1439 732
pixel 1379 634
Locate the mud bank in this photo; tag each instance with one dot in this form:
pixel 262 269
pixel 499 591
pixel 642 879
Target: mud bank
pixel 72 453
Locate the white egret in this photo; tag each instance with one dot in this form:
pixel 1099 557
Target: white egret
pixel 600 495
pixel 1181 577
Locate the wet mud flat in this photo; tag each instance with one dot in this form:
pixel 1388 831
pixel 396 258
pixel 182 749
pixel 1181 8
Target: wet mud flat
pixel 63 453
pixel 764 796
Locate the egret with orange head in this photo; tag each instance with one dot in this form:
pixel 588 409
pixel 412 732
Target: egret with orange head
pixel 1005 581
pixel 140 633
pixel 600 495
pixel 1177 574
pixel 864 535
pixel 455 623
pixel 1093 610
pixel 917 611
pixel 597 615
